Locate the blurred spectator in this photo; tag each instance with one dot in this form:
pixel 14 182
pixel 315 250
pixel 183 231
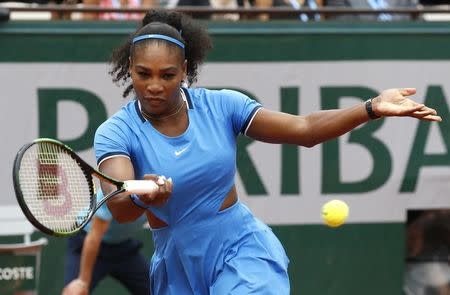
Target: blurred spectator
pixel 99 3
pixel 175 3
pixel 7 14
pixel 62 15
pixel 437 4
pixel 229 4
pixel 428 243
pixel 257 4
pixel 434 2
pixel 373 4
pixel 295 4
pixel 263 4
pixel 311 4
pixel 117 4
pixel 4 14
pixel 193 3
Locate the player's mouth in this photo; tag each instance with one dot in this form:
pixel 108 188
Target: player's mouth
pixel 154 101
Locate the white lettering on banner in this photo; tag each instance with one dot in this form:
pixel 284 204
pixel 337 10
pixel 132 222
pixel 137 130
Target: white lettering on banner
pixel 385 203
pixel 17 273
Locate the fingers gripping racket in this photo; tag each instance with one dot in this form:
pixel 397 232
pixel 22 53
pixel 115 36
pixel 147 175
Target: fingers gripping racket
pixel 55 187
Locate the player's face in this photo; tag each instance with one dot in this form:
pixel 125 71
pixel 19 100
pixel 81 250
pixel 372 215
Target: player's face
pixel 157 71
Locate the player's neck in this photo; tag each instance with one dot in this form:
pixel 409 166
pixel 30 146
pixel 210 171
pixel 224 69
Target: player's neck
pixel 162 117
pixel 172 114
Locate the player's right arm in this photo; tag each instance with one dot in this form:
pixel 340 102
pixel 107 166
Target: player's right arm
pixel 122 208
pixel 112 148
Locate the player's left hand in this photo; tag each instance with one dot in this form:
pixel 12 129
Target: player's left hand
pixel 395 102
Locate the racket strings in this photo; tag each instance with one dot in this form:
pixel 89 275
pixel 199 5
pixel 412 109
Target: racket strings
pixel 55 188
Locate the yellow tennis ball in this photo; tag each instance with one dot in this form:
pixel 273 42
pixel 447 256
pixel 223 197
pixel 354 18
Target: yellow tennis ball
pixel 334 213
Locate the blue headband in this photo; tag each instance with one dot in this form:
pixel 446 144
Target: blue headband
pixel 157 36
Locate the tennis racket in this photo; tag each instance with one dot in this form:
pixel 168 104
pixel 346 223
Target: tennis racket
pixel 55 188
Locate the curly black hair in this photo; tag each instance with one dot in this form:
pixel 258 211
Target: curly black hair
pixel 182 27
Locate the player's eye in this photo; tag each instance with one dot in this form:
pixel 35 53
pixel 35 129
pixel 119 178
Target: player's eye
pixel 143 74
pixel 168 76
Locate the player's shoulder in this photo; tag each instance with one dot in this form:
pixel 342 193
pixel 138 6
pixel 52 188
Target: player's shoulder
pixel 127 113
pixel 201 92
pixel 123 119
pixel 205 96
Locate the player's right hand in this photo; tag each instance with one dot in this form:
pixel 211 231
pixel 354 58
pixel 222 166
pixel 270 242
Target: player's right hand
pixel 161 196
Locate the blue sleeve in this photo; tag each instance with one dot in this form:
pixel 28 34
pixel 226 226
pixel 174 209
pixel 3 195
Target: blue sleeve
pixel 103 212
pixel 110 140
pixel 240 108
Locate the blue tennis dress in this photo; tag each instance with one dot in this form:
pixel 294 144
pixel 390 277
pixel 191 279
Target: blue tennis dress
pixel 202 250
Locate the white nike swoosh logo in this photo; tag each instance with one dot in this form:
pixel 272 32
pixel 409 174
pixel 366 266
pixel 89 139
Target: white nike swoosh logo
pixel 177 153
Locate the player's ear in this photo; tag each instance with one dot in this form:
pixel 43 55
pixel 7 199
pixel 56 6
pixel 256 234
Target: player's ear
pixel 130 63
pixel 185 70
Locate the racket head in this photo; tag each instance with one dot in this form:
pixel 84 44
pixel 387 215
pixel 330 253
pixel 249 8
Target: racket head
pixel 54 187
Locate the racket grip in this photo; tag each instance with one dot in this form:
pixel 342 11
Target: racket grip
pixel 140 186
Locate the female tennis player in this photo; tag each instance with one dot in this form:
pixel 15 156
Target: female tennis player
pixel 206 240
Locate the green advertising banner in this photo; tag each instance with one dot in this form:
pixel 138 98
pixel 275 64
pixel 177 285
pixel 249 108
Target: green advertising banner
pixel 18 274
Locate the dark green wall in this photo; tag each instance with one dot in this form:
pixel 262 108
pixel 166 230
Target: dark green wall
pixel 351 260
pixel 274 41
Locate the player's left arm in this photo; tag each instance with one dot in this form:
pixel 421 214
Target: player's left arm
pixel 318 127
pixel 277 127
